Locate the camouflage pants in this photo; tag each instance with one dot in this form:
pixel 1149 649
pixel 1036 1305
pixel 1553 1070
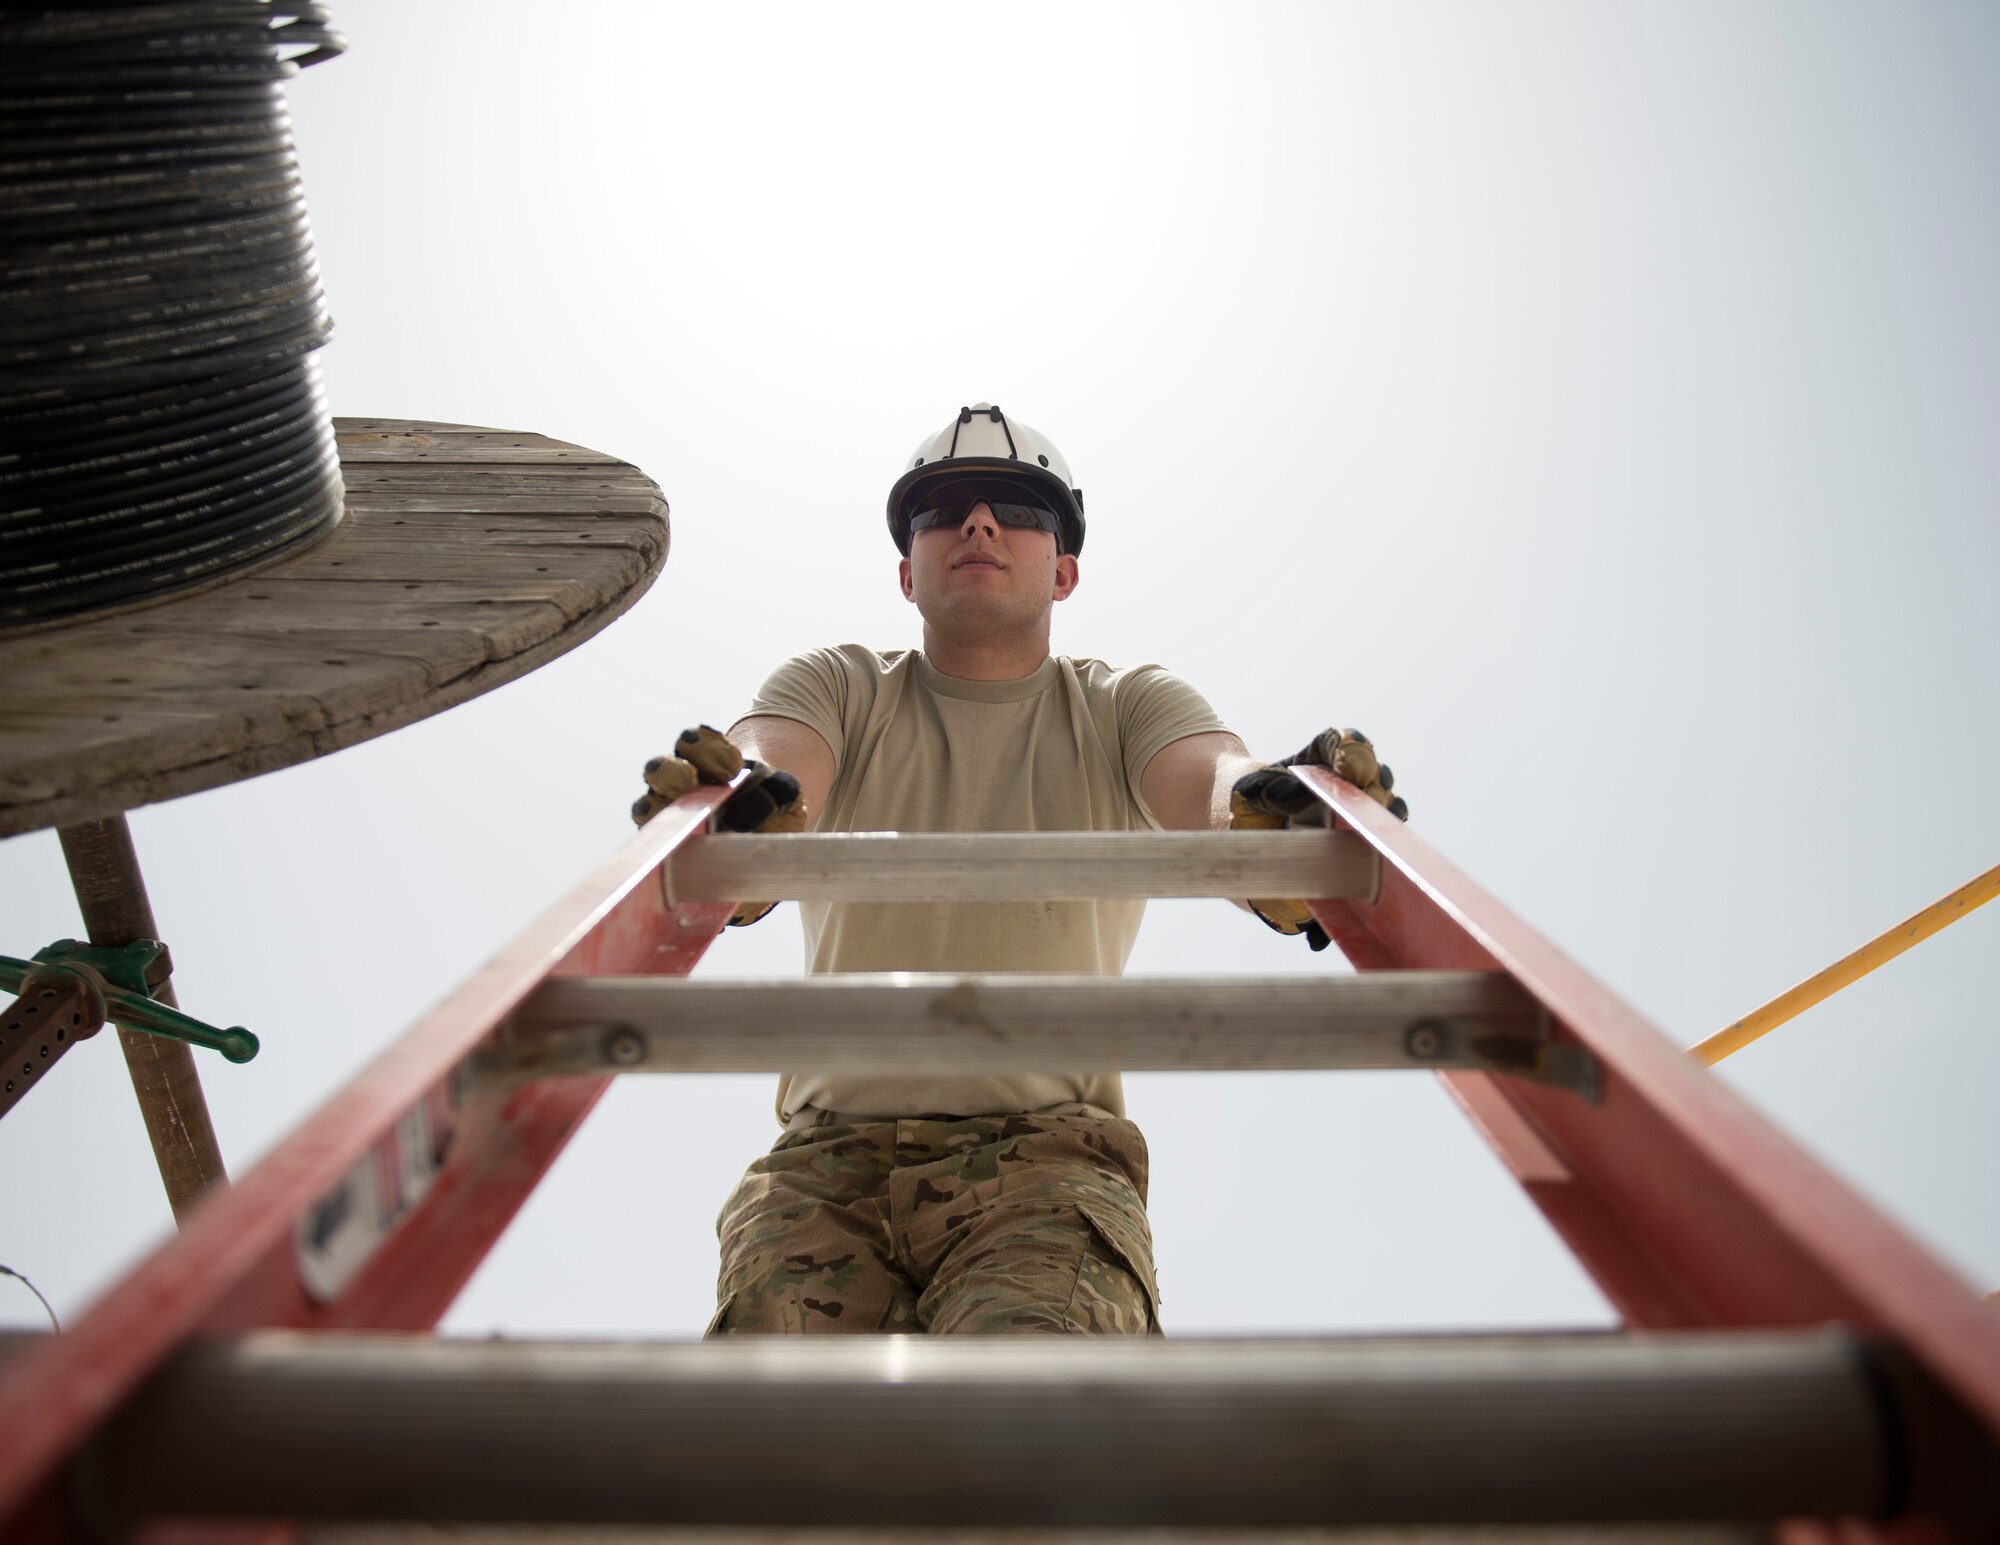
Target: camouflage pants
pixel 981 1224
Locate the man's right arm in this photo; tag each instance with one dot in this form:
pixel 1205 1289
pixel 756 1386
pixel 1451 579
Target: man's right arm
pixel 796 748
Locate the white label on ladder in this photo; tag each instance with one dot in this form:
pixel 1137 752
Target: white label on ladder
pixel 337 1237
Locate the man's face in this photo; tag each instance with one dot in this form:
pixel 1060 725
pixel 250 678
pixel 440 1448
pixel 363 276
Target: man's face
pixel 983 578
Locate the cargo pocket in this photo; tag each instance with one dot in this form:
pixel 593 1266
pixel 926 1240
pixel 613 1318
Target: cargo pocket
pixel 1131 1246
pixel 719 1324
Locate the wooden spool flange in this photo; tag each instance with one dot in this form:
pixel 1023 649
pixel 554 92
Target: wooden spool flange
pixel 468 557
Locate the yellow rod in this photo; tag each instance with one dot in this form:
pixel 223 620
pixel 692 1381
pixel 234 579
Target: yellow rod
pixel 1851 968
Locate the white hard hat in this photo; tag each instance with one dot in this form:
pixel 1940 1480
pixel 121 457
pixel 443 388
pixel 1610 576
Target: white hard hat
pixel 982 439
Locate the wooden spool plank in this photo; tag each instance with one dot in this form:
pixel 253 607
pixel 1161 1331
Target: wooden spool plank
pixel 511 494
pixel 492 573
pixel 448 499
pixel 402 439
pixel 467 558
pixel 433 479
pixel 334 690
pixel 393 448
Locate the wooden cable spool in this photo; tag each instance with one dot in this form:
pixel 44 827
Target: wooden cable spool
pixel 468 557
pixel 161 421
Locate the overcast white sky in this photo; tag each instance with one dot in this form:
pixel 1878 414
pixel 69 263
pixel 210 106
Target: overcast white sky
pixel 1593 402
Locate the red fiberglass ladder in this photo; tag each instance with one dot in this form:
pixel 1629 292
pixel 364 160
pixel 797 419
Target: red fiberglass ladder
pixel 1788 1354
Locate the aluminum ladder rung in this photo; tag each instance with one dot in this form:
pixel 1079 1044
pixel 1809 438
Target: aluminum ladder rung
pixel 919 1023
pixel 1021 866
pixel 1010 1431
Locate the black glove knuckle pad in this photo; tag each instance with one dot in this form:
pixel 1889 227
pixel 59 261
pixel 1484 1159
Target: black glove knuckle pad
pixel 747 809
pixel 1273 790
pixel 1318 752
pixel 763 794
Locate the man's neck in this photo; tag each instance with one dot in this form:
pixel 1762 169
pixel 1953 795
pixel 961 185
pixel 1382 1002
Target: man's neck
pixel 992 659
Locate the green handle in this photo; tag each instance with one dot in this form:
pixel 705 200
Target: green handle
pixel 136 1013
pixel 132 1011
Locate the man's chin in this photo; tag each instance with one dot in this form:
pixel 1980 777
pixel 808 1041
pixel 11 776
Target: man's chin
pixel 975 609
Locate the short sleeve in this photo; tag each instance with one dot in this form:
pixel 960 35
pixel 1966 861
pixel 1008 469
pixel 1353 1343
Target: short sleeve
pixel 812 688
pixel 1155 709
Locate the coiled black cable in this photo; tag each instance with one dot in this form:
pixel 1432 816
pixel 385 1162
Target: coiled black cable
pixel 161 419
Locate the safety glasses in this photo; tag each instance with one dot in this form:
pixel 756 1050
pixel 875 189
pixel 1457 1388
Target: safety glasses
pixel 947 503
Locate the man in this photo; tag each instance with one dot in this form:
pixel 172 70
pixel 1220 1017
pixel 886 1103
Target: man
pixel 971 1203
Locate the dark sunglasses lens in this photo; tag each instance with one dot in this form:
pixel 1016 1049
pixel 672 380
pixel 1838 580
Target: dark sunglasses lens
pixel 1027 516
pixel 949 503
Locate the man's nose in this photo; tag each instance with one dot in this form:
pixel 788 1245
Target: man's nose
pixel 979 518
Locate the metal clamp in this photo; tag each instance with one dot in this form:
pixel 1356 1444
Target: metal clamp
pixel 1544 1060
pixel 125 979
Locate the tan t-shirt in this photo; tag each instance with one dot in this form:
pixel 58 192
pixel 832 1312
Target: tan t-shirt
pixel 917 750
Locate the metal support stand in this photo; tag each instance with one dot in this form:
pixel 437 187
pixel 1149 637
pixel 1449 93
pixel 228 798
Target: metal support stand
pixel 104 870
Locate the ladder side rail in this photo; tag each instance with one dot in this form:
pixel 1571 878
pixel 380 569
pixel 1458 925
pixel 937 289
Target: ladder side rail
pixel 1405 926
pixel 1617 1256
pixel 235 1266
pixel 1671 1171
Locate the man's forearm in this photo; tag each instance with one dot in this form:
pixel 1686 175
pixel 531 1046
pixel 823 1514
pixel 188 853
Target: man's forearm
pixel 1228 769
pixel 795 747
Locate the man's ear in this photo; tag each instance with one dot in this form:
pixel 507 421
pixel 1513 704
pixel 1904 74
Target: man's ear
pixel 1067 576
pixel 903 577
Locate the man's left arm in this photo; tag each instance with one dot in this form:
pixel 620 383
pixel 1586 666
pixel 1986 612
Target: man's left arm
pixel 1208 781
pixel 1186 785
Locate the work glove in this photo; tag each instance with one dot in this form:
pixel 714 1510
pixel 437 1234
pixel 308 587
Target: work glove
pixel 766 801
pixel 1267 798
